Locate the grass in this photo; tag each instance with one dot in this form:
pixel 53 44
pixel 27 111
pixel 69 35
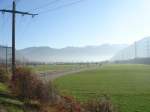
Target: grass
pixel 11 108
pixel 60 67
pixel 3 87
pixel 11 105
pixel 53 67
pixel 127 85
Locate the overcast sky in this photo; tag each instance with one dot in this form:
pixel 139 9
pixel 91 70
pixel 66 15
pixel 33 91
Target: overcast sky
pixel 90 22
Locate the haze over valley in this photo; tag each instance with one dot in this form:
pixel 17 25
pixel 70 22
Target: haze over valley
pixel 71 54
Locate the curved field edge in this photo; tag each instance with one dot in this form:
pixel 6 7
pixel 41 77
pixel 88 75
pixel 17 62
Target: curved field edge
pixel 127 86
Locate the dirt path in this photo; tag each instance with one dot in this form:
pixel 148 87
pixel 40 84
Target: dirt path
pixel 50 76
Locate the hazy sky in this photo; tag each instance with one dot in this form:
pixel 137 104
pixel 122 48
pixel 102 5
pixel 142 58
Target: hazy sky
pixel 91 22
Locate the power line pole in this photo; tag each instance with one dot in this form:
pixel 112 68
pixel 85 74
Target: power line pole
pixel 13 38
pixel 14 12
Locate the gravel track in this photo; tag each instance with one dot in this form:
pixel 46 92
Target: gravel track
pixel 50 76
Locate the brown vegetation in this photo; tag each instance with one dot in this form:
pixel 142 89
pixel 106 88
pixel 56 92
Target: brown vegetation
pixel 103 105
pixel 69 104
pixel 4 75
pixel 27 86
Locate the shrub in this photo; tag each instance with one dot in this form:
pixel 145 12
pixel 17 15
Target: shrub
pixel 24 83
pixel 42 92
pixel 53 93
pixel 4 75
pixel 68 104
pixel 103 105
pixel 27 86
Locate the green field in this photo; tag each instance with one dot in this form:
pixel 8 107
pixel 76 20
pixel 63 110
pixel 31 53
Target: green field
pixel 57 67
pixel 127 85
pixel 3 87
pixel 9 104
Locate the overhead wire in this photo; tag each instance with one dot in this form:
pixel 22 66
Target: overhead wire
pixel 45 5
pixel 61 6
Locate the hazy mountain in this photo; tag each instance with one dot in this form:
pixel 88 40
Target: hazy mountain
pixel 71 54
pixel 139 49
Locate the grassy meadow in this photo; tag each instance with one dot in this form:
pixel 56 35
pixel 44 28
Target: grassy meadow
pixel 128 86
pixel 47 68
pixel 10 104
pixel 56 67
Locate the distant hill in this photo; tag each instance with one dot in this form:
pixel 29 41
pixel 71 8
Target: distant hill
pixel 139 49
pixel 71 54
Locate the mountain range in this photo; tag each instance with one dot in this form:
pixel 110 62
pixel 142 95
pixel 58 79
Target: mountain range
pixel 71 54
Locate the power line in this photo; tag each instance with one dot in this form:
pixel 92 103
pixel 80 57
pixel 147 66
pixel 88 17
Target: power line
pixel 61 6
pixel 45 5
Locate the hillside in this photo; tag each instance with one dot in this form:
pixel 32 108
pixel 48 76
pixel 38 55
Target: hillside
pixel 71 54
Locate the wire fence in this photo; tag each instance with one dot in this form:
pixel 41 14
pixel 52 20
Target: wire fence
pixel 5 56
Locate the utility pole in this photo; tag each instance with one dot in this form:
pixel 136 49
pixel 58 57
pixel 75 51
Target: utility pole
pixel 13 38
pixel 14 12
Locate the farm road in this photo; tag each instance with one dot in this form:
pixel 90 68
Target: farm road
pixel 50 76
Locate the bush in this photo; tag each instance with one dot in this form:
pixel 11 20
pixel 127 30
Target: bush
pixel 69 104
pixel 23 83
pixel 27 86
pixel 4 75
pixel 103 105
pixel 42 92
